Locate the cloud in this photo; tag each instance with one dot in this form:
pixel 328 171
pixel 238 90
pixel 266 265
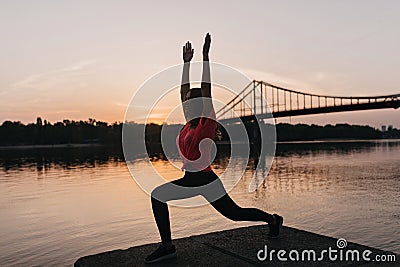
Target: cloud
pixel 50 79
pixel 276 79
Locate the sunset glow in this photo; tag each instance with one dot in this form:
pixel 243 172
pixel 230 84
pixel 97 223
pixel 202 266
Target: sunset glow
pixel 77 61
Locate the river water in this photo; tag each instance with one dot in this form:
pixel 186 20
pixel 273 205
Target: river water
pixel 60 204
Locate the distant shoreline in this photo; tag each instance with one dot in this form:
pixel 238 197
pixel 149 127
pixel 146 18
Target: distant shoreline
pixel 12 147
pixel 340 141
pixel 50 146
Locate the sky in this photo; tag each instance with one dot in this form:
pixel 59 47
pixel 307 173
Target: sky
pixel 86 59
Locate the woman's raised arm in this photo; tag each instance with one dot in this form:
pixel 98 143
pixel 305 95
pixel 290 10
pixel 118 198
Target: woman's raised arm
pixel 187 57
pixel 206 78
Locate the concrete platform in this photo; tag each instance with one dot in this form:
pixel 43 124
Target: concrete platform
pixel 239 247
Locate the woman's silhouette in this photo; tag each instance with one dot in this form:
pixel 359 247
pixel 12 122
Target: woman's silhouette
pixel 201 124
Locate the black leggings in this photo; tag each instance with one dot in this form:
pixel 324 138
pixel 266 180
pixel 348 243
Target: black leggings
pixel 190 185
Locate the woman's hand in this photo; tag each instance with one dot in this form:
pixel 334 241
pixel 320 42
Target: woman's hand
pixel 187 52
pixel 206 46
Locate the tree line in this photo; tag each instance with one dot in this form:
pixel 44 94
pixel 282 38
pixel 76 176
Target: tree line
pixel 91 131
pixel 64 132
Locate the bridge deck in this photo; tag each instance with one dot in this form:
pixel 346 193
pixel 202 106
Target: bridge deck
pixel 317 110
pixel 285 102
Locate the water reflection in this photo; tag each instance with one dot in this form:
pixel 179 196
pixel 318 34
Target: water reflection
pixel 84 200
pixel 43 159
pixel 69 157
pixel 299 167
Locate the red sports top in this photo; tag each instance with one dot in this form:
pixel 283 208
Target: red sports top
pixel 188 142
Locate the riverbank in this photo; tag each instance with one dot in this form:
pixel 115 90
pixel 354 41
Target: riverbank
pixel 49 146
pixel 246 247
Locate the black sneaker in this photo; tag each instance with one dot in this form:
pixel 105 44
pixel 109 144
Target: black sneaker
pixel 161 253
pixel 276 228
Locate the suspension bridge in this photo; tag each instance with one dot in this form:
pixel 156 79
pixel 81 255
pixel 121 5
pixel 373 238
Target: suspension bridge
pixel 262 100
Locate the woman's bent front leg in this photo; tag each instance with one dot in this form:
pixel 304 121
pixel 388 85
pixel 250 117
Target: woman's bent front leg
pixel 160 196
pixel 161 216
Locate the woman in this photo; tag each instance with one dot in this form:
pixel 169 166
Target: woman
pixel 201 125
